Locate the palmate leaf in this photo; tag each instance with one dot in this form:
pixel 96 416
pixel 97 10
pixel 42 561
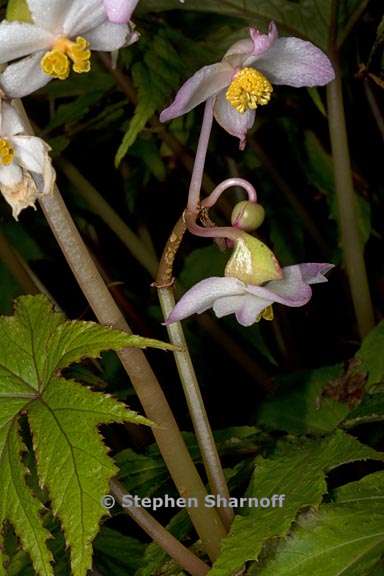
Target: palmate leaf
pixel 310 19
pixel 345 538
pixel 72 460
pixel 297 471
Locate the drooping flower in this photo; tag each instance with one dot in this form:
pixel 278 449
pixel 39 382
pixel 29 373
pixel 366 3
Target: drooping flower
pixel 61 35
pixel 243 80
pixel 250 303
pixel 25 167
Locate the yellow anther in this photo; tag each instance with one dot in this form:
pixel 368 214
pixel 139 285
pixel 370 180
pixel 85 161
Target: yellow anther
pixel 56 62
pixel 7 153
pixel 267 313
pixel 248 90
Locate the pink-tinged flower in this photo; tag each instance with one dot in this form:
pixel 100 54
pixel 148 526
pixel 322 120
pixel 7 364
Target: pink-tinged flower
pixel 243 80
pixel 228 295
pixel 120 11
pixel 60 37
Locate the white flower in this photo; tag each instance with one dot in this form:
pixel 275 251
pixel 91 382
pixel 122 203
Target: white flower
pixel 25 167
pixel 63 33
pixel 250 302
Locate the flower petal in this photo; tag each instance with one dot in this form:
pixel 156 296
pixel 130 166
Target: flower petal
pixel 294 62
pixel 251 308
pixel 246 307
pixel 24 77
pixel 49 15
pixel 313 272
pixel 107 36
pixel 120 11
pixel 244 52
pixel 203 296
pixel 293 289
pixel 10 121
pixel 18 39
pixel 231 120
pixel 207 82
pixel 30 152
pixel 83 17
pixel 10 175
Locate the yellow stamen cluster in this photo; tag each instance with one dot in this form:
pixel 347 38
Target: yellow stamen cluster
pixel 7 153
pixel 56 62
pixel 248 90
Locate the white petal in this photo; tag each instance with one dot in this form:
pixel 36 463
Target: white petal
pixel 294 62
pixel 24 77
pixel 18 39
pixel 203 295
pixel 10 175
pixel 252 306
pixel 205 83
pixel 108 36
pixel 83 16
pixel 30 152
pixel 231 120
pixel 10 120
pixel 49 14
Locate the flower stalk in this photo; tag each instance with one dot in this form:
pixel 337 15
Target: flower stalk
pixel 352 246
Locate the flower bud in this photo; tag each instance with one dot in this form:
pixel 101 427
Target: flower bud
pixel 247 215
pixel 253 262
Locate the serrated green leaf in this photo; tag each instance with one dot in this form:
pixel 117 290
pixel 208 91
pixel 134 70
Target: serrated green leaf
pixel 346 538
pixel 297 471
pixel 72 460
pixel 371 355
pixel 370 410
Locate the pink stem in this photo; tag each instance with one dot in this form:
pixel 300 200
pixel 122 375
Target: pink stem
pixel 228 183
pixel 201 153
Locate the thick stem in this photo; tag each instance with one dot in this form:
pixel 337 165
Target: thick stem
pixel 347 206
pixel 196 407
pixel 182 555
pixel 168 437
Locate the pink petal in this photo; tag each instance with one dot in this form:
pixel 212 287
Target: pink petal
pixel 294 62
pixel 293 290
pixel 233 121
pixel 120 11
pixel 313 272
pixel 203 295
pixel 244 52
pixel 207 82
